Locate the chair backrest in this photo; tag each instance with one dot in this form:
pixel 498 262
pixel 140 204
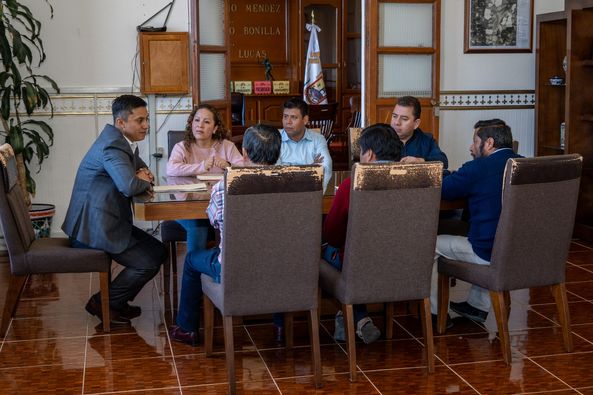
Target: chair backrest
pixel 353 146
pixel 356 115
pixel 14 214
pixel 391 236
pixel 237 108
pixel 323 116
pixel 539 199
pixel 173 137
pixel 271 239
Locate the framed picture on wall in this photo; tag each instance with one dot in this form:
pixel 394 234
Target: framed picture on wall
pixel 498 26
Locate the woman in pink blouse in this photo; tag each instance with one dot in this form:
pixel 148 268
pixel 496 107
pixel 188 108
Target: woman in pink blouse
pixel 204 149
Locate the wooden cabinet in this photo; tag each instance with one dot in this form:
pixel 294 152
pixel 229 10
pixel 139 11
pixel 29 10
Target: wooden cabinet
pixel 567 35
pixel 164 59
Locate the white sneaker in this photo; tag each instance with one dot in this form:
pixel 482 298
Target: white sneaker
pixel 367 331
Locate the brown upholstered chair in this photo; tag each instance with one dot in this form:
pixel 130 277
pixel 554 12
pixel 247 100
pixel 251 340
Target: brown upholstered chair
pixel 353 146
pixel 35 256
pixel 323 116
pixel 270 258
pixel 382 263
pixel 539 199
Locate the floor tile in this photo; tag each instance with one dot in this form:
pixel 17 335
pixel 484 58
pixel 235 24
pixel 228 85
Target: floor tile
pixel 498 378
pixel 198 369
pixel 582 289
pixel 573 368
pixel 580 312
pixel 48 379
pixel 391 354
pixel 419 381
pixel 129 374
pixel 461 325
pixel 467 348
pixel 241 340
pixel 332 384
pixel 249 387
pixel 297 361
pixel 126 346
pixel 545 341
pixel 585 331
pixel 47 327
pixel 64 351
pixel 580 257
pixel 576 273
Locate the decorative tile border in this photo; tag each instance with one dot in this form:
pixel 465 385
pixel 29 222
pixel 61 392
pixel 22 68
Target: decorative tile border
pixel 100 104
pixel 487 100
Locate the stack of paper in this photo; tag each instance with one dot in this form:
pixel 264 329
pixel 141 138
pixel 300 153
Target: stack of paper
pixel 210 177
pixel 200 186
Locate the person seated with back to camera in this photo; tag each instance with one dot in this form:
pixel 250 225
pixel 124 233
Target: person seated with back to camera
pixel 205 149
pixel 378 143
pixel 261 146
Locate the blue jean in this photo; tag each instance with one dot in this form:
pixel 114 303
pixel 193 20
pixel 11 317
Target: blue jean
pixel 142 259
pixel 197 233
pixel 196 263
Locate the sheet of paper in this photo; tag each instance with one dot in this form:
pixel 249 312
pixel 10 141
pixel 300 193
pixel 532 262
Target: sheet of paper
pixel 200 186
pixel 210 177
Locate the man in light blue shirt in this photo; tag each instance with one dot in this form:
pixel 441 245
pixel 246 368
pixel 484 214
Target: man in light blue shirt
pixel 302 146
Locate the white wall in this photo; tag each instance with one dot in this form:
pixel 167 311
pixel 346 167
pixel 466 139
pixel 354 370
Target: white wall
pixel 467 73
pixel 91 46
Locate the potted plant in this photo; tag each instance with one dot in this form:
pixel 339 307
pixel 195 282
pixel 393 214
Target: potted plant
pixel 22 90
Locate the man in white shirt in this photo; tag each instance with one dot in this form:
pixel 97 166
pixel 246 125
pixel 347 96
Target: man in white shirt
pixel 302 146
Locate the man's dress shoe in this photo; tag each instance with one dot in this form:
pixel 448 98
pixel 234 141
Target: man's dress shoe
pixel 94 308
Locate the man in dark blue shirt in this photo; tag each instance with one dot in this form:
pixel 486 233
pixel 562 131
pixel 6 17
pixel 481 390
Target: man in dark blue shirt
pixel 418 146
pixel 480 182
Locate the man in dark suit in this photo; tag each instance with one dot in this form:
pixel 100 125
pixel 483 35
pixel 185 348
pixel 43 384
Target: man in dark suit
pixel 100 211
pixel 480 182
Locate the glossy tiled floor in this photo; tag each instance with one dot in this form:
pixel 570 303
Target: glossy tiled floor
pixel 54 346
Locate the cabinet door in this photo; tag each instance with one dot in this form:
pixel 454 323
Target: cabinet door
pixel 210 54
pixel 402 57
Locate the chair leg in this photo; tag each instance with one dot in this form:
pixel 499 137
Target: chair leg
pixel 507 302
pixel 427 333
pixel 104 286
pixel 289 330
pixel 350 340
pixel 389 320
pixel 559 291
pixel 229 348
pixel 443 295
pixel 208 325
pixel 315 347
pixel 13 295
pixel 499 306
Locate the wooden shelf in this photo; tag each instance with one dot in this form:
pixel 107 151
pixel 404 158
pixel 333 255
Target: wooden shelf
pixel 586 117
pixel 588 62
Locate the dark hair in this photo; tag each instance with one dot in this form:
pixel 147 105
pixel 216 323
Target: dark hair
pixel 262 144
pixel 123 106
pixel 382 139
pixel 411 101
pixel 297 102
pixel 497 129
pixel 220 134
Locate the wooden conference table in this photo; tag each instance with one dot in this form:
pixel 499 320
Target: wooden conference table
pixel 178 205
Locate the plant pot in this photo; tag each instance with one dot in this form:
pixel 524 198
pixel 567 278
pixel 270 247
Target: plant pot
pixel 41 216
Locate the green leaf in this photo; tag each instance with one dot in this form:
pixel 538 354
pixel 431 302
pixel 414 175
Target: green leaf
pixel 16 139
pixel 4 76
pixel 51 81
pixel 45 128
pixel 16 77
pixel 17 45
pixel 6 104
pixel 30 97
pixel 5 50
